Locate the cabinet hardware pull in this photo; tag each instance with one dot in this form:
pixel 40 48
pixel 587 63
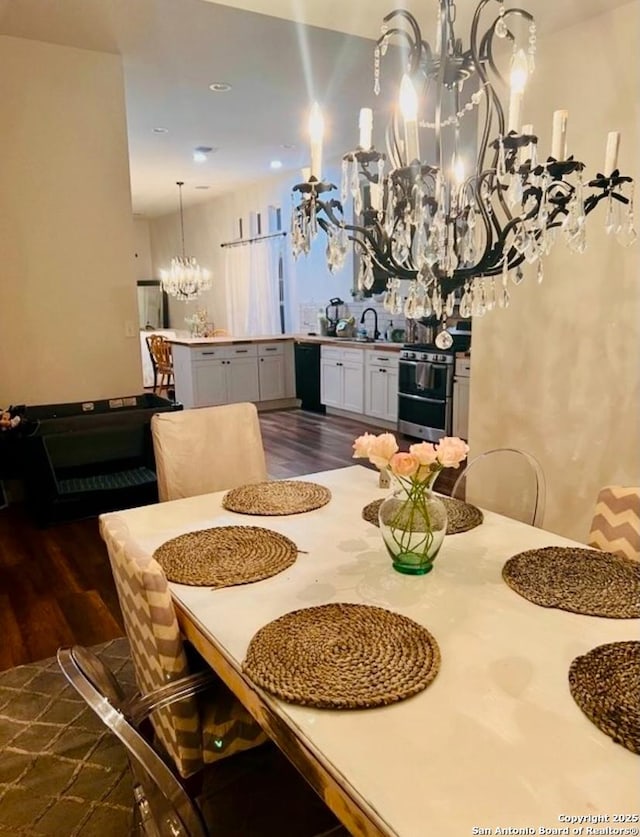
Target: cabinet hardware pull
pixel 261 360
pixel 208 353
pixel 338 364
pixel 272 349
pixel 241 351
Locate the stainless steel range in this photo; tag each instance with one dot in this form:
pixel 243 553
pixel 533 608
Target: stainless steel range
pixel 425 392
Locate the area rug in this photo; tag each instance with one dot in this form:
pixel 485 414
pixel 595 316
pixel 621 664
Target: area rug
pixel 61 772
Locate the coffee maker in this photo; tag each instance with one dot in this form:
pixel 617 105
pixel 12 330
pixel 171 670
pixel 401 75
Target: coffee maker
pixel 332 313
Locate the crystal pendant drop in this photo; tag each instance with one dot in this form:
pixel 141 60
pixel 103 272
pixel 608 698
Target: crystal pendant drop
pixel 540 272
pixel 449 305
pixel 465 303
pixel 490 294
pixel 368 278
pixel 517 275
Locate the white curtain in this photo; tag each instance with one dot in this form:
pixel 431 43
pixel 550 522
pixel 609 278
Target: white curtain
pixel 252 287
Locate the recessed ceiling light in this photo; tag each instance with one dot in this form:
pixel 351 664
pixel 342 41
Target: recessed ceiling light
pixel 200 153
pixel 287 146
pixel 160 130
pixel 202 187
pixel 219 87
pixel 276 164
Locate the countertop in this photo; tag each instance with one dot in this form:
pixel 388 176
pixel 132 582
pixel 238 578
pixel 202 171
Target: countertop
pixel 298 338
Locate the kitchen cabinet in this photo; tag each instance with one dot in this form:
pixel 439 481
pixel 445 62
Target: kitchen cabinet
pixel 461 398
pixel 381 386
pixel 208 374
pixel 342 378
pixel 272 371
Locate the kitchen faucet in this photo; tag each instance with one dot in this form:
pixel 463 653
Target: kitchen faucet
pixel 376 333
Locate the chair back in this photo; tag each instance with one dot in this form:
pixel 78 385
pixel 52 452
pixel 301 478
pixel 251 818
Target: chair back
pixel 616 521
pixel 157 650
pixel 507 481
pixel 163 807
pixel 160 351
pixel 208 449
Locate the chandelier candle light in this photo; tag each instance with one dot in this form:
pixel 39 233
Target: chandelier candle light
pixel 448 224
pixel 185 279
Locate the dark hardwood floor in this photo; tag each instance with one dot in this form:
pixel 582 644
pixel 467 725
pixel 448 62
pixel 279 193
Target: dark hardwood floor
pixel 55 584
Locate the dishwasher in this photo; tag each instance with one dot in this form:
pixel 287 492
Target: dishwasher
pixel 307 359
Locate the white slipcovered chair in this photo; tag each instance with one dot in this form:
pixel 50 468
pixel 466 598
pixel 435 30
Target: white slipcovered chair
pixel 207 449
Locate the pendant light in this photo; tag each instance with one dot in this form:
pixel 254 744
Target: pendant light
pixel 185 279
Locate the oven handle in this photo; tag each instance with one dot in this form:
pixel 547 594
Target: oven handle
pixel 423 398
pixel 433 363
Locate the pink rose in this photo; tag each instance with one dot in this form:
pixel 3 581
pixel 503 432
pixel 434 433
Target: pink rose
pixel 382 449
pixel 361 446
pixel 404 464
pixel 425 453
pixel 451 451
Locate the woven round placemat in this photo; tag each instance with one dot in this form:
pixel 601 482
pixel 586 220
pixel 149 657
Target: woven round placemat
pixel 277 497
pixel 225 556
pixel 342 656
pixel 461 516
pixel 605 684
pixel 583 581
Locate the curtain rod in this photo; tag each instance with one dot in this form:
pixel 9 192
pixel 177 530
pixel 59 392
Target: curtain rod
pixel 243 241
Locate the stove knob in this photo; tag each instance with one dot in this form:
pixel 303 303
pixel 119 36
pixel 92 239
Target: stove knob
pixel 411 355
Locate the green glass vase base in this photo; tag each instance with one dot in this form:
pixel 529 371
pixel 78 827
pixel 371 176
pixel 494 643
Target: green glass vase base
pixel 411 569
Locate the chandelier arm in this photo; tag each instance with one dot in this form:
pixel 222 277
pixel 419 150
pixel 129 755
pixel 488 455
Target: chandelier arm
pixel 492 101
pixel 409 18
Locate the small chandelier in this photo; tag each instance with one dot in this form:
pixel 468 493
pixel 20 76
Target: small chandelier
pixel 459 231
pixel 185 279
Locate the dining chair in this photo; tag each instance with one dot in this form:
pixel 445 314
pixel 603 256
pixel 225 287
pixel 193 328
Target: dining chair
pixel 193 732
pixel 508 481
pixel 235 797
pixel 162 362
pixel 207 449
pixel 616 521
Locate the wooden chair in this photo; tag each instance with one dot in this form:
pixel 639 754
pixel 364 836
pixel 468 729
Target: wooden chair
pixel 162 362
pixel 616 521
pixel 208 449
pixel 507 481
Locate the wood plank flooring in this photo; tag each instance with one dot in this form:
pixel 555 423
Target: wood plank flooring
pixel 55 584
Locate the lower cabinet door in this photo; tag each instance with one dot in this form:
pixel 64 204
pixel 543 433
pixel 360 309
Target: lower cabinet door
pixel 209 383
pixel 271 377
pixel 376 392
pixel 353 387
pixel 242 379
pixel 331 383
pixel 392 395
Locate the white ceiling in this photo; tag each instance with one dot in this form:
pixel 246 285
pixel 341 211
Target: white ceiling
pixel 279 55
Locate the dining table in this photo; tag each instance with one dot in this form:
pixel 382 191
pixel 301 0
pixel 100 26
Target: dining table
pixel 495 744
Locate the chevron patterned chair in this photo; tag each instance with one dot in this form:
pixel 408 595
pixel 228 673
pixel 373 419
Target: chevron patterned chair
pixel 616 521
pixel 197 730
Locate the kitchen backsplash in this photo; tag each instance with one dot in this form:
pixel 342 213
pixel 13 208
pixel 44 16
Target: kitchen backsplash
pixel 308 315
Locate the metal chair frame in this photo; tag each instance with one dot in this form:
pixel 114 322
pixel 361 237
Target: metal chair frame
pixel 162 806
pixel 540 496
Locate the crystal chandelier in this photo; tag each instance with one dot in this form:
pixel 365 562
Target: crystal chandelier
pixel 460 232
pixel 185 279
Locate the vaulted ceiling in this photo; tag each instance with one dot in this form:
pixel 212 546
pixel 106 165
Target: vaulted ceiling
pixel 277 55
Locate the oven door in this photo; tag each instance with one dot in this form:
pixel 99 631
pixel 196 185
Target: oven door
pixel 425 379
pixel 426 418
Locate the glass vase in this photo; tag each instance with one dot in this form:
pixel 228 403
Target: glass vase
pixel 413 523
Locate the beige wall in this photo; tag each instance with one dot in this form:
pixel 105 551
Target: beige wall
pixel 67 289
pixel 558 374
pixel 142 249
